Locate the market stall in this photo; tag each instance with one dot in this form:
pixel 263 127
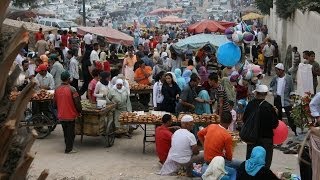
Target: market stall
pixel 97 122
pixel 137 90
pixel 148 122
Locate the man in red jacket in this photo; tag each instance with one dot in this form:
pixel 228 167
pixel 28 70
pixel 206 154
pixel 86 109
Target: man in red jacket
pixel 68 103
pixel 163 138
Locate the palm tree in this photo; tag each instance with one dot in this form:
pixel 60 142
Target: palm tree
pixel 15 143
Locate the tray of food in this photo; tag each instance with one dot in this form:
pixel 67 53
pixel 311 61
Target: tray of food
pixel 136 118
pixel 204 118
pixel 137 87
pixel 42 95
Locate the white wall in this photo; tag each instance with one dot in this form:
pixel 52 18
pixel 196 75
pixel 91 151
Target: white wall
pixel 302 31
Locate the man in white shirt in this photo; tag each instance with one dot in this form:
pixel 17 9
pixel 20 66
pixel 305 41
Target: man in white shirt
pixel 44 79
pixel 282 88
pixel 51 37
pixel 260 36
pixel 73 70
pixel 268 52
pixel 21 57
pixel 157 95
pixel 184 150
pixel 94 56
pixel 87 40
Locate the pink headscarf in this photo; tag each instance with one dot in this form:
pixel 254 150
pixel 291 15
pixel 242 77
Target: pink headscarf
pixel 203 74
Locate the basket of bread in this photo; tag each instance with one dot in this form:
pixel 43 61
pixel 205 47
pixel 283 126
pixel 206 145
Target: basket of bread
pixel 204 118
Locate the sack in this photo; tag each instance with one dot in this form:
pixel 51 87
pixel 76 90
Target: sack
pixel 249 130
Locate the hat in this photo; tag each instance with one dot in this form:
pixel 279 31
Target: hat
pixel 47 52
pixel 164 54
pixel 53 57
pixel 261 89
pixel 187 118
pixel 151 37
pixel 65 76
pixel 23 51
pixel 42 67
pixel 280 66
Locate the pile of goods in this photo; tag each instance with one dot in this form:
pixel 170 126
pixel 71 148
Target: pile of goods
pixel 235 136
pixel 42 95
pixel 204 118
pixel 129 117
pixel 86 105
pixel 137 86
pixel 38 96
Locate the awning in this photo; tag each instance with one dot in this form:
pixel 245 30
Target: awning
pixel 111 35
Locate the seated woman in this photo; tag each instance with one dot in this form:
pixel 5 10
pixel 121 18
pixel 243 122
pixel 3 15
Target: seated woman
pixel 254 168
pixel 218 170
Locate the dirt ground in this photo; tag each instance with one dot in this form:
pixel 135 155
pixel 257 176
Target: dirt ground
pixel 123 161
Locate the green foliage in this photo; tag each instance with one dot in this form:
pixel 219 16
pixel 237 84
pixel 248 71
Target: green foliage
pixel 264 6
pixel 286 8
pixel 310 5
pixel 21 3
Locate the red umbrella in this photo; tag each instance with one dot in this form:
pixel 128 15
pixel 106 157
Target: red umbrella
pixel 111 35
pixel 171 20
pixel 227 24
pixel 206 25
pixel 160 11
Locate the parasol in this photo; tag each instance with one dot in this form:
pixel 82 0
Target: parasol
pixel 252 16
pixel 160 11
pixel 111 35
pixel 177 10
pixel 171 20
pixel 226 24
pixel 206 25
pixel 198 41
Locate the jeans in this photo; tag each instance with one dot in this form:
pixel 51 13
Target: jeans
pixel 268 65
pixel 69 134
pixel 267 144
pixel 232 174
pixel 235 164
pixel 287 109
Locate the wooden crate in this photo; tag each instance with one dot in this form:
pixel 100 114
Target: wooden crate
pixel 93 125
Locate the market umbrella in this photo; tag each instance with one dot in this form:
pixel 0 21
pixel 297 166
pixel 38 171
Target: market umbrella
pixel 171 20
pixel 198 41
pixel 160 11
pixel 206 25
pixel 111 35
pixel 252 16
pixel 226 24
pixel 176 10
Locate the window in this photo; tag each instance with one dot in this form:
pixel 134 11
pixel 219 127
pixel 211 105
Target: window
pixel 48 23
pixel 54 24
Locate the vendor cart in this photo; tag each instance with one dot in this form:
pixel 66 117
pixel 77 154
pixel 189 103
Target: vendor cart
pixel 97 122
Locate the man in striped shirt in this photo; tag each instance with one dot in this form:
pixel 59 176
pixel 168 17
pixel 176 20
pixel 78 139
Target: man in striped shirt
pixel 218 94
pixel 212 65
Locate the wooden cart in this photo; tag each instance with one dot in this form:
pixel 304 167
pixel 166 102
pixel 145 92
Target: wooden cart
pixel 97 122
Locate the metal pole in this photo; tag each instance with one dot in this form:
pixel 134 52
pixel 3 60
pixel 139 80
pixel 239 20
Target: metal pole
pixel 84 12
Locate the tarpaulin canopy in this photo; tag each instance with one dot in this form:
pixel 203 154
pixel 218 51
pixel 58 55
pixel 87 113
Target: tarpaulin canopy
pixel 227 24
pixel 206 26
pixel 160 11
pixel 111 35
pixel 171 20
pixel 198 41
pixel 252 16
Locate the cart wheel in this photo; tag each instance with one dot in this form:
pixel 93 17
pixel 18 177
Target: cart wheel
pixel 42 124
pixel 110 134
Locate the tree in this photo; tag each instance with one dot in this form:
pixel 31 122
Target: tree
pixel 286 8
pixel 15 142
pixel 21 3
pixel 264 6
pixel 310 5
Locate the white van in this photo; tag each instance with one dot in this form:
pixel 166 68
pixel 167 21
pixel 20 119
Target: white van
pixel 58 23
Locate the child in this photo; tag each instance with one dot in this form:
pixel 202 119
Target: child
pixel 234 116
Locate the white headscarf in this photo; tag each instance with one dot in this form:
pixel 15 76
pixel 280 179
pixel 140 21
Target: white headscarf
pixel 215 170
pixel 119 81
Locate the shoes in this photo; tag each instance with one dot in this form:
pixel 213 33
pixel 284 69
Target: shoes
pixel 71 152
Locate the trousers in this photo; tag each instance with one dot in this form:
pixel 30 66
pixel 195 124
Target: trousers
pixel 74 83
pixel 287 109
pixel 267 144
pixel 69 134
pixel 268 65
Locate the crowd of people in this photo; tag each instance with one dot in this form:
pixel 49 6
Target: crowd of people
pixel 190 82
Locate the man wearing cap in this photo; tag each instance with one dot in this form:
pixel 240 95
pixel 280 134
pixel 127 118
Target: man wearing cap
pixel 268 121
pixel 44 79
pixel 184 150
pixel 68 103
pixel 282 87
pixel 56 70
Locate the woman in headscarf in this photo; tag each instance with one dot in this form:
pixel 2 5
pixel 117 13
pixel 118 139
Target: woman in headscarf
pixel 101 90
pixel 120 96
pixel 171 92
pixel 125 82
pixel 180 80
pixel 218 171
pixel 203 74
pixel 186 75
pixel 202 102
pixel 254 168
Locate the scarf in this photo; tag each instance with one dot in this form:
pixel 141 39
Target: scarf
pixel 186 75
pixel 180 80
pixel 215 170
pixel 119 81
pixel 256 161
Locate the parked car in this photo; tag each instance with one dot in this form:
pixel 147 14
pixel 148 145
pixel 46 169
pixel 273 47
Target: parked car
pixel 58 23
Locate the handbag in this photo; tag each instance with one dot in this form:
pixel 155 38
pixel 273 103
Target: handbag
pixel 249 131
